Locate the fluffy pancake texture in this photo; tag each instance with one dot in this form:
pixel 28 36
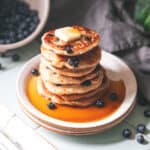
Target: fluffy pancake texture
pixel 60 61
pixel 74 88
pixel 70 73
pixel 81 101
pixel 65 71
pixel 56 78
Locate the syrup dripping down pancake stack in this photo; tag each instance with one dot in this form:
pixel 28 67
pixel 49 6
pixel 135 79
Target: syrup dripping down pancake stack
pixel 70 73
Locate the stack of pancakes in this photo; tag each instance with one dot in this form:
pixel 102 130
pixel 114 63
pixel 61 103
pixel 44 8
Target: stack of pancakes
pixel 70 72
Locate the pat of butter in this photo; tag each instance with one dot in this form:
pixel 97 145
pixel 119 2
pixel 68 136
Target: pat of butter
pixel 67 34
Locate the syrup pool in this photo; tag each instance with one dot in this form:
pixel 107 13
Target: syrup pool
pixel 76 114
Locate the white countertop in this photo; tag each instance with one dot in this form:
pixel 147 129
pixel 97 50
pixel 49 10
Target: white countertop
pixel 109 140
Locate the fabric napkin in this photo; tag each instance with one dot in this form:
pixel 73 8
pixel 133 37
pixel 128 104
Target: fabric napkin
pixel 119 33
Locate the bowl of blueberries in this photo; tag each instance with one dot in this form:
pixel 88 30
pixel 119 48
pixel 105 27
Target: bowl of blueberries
pixel 21 21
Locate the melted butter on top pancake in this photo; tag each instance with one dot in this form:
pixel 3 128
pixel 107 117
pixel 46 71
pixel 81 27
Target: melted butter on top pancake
pixel 67 34
pixel 87 41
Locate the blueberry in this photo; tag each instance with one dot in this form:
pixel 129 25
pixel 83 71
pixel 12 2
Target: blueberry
pixel 58 84
pixel 3 55
pixel 25 33
pixel 1 67
pixel 126 133
pixel 15 57
pixel 51 105
pixel 68 49
pixel 35 72
pixel 7 41
pixel 18 21
pixel 142 100
pixel 74 61
pixel 100 103
pixel 12 34
pixel 32 27
pixel 113 96
pixel 88 38
pixel 147 113
pixel 86 83
pixel 33 13
pixel 141 128
pixel 140 139
pixel 13 40
pixel 50 35
pixel 18 18
pixel 28 20
pixel 22 25
pixel 36 20
pixel 20 36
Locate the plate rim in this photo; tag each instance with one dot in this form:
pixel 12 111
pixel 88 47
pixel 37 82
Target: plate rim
pixel 26 103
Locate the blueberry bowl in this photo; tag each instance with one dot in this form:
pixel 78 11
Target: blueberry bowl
pixel 21 21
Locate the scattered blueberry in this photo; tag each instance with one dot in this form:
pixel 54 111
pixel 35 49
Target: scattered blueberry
pixel 113 96
pixel 74 61
pixel 126 133
pixel 15 57
pixel 147 113
pixel 51 105
pixel 68 49
pixel 86 83
pixel 140 139
pixel 100 103
pixel 35 72
pixel 141 128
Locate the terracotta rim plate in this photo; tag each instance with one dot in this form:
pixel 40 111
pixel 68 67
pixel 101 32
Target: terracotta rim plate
pixel 116 70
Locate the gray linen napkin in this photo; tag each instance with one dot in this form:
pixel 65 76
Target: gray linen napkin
pixel 119 33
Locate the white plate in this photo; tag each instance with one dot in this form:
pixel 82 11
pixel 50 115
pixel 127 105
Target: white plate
pixel 116 70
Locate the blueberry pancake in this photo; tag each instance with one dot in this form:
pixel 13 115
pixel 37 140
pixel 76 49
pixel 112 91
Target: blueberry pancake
pixel 86 86
pixel 70 41
pixel 76 62
pixel 70 73
pixel 53 77
pixel 85 101
pixel 67 72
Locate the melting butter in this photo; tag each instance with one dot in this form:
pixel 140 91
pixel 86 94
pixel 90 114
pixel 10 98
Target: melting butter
pixel 67 34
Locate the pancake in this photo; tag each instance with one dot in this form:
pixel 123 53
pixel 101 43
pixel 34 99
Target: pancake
pixel 65 71
pixel 74 88
pixel 89 39
pixel 77 62
pixel 82 102
pixel 53 77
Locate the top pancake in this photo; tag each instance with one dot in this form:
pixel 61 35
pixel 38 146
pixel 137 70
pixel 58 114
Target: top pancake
pixel 88 40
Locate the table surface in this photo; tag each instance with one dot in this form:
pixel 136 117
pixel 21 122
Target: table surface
pixel 109 140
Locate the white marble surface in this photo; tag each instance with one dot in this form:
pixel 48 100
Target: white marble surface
pixel 109 140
